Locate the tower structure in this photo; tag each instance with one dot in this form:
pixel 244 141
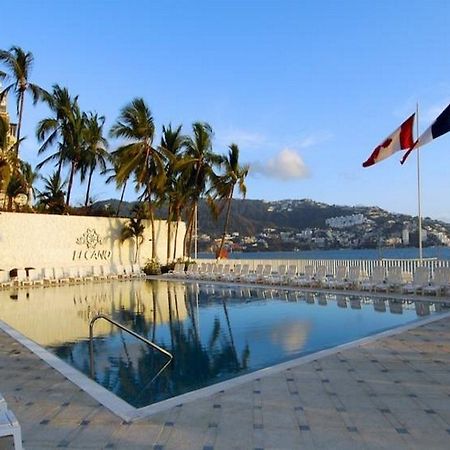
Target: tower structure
pixel 8 132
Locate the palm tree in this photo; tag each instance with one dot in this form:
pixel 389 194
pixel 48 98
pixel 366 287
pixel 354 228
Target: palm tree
pixel 198 168
pixel 94 149
pixel 172 142
pixel 114 170
pixel 133 230
pixel 19 64
pixel 67 124
pixel 30 177
pixel 52 197
pixel 138 157
pixel 234 174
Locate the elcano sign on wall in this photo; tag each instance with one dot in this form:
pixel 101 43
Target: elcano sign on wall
pixel 91 239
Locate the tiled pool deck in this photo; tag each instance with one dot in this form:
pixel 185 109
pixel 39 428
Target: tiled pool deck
pixel 391 393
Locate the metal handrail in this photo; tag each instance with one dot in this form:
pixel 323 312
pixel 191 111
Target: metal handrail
pixel 137 336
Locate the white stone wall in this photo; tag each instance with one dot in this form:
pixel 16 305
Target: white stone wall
pixel 43 240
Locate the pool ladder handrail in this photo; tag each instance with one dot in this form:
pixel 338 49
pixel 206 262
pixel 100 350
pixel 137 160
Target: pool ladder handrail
pixel 137 336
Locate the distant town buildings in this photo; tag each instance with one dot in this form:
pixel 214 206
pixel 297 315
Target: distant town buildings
pixel 345 221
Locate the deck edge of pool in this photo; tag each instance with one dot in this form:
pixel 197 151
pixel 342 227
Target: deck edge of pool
pixel 129 413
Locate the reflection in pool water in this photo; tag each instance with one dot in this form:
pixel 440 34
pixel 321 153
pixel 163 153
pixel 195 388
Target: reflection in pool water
pixel 214 332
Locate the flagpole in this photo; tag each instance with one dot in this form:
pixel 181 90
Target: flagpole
pixel 419 212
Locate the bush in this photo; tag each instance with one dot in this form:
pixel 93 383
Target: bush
pixel 152 267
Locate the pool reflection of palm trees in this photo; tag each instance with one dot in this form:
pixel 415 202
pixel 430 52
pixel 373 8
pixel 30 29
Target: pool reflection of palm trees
pixel 196 363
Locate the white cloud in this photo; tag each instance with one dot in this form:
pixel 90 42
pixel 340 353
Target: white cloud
pixel 243 138
pixel 315 139
pixel 285 165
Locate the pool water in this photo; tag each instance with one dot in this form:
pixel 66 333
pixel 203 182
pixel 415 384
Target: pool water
pixel 214 332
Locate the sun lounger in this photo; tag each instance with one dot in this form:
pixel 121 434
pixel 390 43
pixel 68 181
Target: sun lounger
pixel 74 275
pixel 340 279
pixel 320 277
pixel 192 271
pixel 35 278
pixel 394 280
pixel 9 425
pixel 49 276
pixel 5 280
pixel 378 277
pixel 440 282
pixel 109 272
pixel 137 270
pixel 277 277
pixel 251 277
pixel 306 278
pixel 21 278
pixel 97 273
pixel 420 280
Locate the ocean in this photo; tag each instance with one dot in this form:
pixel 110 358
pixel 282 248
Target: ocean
pixel 381 253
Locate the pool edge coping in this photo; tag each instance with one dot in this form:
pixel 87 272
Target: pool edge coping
pixel 129 413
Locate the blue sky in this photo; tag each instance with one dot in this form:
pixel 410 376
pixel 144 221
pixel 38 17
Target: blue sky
pixel 307 89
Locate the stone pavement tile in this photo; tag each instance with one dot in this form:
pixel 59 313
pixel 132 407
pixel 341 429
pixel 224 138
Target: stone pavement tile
pixel 141 434
pixel 436 440
pixel 384 438
pixel 372 419
pixel 284 438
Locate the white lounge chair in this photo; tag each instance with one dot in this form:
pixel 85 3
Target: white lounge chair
pixel 86 274
pixel 192 271
pixel 61 276
pixel 139 272
pixel 9 425
pixel 35 277
pixel 5 280
pixel 440 282
pixel 377 278
pixel 97 273
pixel 306 278
pixel 251 277
pixel 320 277
pixel 49 276
pixel 21 278
pixel 74 275
pixel 109 272
pixel 394 280
pixel 420 280
pixel 340 279
pixel 279 276
pixel 356 277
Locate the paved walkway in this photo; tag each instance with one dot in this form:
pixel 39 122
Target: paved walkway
pixel 393 393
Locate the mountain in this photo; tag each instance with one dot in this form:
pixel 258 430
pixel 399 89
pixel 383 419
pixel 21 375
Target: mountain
pixel 287 224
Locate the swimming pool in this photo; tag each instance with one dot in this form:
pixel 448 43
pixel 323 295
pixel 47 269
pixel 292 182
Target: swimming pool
pixel 215 332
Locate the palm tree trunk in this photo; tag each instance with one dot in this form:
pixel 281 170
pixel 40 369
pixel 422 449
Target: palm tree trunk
pixel 152 224
pixel 225 226
pixel 189 231
pixel 86 200
pixel 175 240
pixel 169 230
pixel 19 122
pixel 69 188
pixel 121 199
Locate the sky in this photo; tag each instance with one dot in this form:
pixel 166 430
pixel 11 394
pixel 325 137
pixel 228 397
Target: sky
pixel 306 88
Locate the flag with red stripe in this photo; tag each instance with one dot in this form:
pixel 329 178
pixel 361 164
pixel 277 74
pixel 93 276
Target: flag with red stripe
pixel 400 139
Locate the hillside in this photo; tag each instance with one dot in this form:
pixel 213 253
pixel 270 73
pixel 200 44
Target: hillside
pixel 288 224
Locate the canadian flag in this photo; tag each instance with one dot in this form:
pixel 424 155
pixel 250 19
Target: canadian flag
pixel 400 139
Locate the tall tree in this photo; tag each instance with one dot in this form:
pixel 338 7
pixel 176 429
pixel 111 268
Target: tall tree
pixel 51 198
pixel 172 142
pixel 65 127
pixel 19 64
pixel 233 174
pixel 94 151
pixel 137 156
pixel 198 168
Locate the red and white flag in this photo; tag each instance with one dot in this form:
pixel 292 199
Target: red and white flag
pixel 400 139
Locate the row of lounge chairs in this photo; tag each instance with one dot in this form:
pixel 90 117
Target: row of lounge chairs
pixel 382 279
pixel 57 275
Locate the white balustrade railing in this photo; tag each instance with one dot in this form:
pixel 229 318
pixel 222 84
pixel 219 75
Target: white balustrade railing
pixel 367 265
